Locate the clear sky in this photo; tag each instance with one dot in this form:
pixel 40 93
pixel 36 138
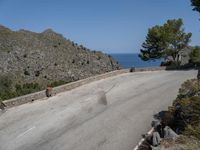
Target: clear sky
pixel 112 26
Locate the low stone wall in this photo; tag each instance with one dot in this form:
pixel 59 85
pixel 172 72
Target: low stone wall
pixel 41 94
pixel 150 69
pixel 73 85
pixel 25 99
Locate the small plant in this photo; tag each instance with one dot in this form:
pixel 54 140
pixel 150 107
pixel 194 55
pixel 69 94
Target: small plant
pixel 193 130
pixel 26 88
pixel 188 89
pixel 37 73
pixel 26 73
pixel 73 61
pixel 25 55
pixel 99 57
pixel 73 44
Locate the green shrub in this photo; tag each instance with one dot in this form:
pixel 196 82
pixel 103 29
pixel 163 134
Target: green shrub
pixel 5 83
pixel 73 61
pixel 6 87
pixel 25 55
pixel 191 109
pixel 195 55
pixel 187 115
pixel 57 83
pixel 191 146
pixel 188 89
pixel 8 90
pixel 98 57
pixel 193 130
pixel 37 73
pixel 6 94
pixel 27 88
pixel 26 73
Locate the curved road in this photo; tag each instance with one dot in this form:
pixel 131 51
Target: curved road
pixel 109 114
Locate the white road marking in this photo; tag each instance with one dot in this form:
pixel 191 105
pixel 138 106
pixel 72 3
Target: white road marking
pixel 24 133
pixel 142 140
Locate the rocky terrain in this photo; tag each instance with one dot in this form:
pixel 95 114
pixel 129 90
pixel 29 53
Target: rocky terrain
pixel 36 60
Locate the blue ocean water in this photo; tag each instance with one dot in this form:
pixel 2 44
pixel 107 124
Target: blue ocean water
pixel 133 60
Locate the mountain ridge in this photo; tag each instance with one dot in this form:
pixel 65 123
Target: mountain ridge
pixel 47 58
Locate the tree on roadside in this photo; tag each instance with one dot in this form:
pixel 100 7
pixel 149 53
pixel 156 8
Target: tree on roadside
pixel 196 5
pixel 195 55
pixel 165 41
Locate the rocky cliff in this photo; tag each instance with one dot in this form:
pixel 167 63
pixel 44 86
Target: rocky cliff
pixel 47 58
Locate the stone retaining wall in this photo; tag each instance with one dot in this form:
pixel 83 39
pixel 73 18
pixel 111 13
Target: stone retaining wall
pixel 41 94
pixel 150 69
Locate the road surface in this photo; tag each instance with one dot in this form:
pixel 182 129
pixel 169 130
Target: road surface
pixel 109 114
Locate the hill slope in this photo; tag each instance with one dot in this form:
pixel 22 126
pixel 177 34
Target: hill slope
pixel 35 60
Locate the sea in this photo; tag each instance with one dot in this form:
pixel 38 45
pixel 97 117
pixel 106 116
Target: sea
pixel 133 60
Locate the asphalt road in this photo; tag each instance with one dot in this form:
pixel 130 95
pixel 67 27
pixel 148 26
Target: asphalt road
pixel 109 114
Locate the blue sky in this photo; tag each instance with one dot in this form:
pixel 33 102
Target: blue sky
pixel 112 26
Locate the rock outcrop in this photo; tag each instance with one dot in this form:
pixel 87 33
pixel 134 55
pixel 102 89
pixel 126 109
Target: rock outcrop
pixel 47 57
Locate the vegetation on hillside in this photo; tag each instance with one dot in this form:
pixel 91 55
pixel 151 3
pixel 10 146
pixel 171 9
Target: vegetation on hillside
pixel 10 89
pixel 183 117
pixel 32 61
pixel 189 101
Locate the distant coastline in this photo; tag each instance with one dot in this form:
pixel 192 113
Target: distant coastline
pixel 128 60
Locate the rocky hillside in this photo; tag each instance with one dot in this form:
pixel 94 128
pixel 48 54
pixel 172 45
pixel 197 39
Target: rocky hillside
pixel 46 58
